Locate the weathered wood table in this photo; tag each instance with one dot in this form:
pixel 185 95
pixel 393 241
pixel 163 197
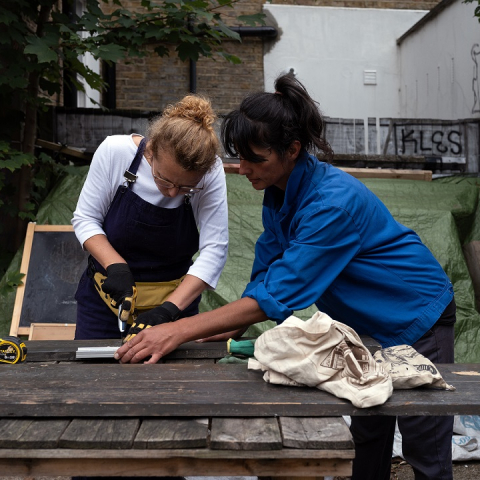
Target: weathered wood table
pixel 188 416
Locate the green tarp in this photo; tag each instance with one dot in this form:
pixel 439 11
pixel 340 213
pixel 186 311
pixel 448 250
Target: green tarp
pixel 443 212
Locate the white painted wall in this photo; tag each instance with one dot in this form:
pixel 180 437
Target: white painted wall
pixel 330 48
pixel 89 98
pixel 440 66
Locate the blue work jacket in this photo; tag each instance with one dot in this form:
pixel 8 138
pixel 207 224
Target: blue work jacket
pixel 329 240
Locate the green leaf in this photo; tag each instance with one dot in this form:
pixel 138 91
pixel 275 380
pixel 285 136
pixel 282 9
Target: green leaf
pixel 39 182
pixel 7 17
pixel 231 58
pixel 109 52
pixel 187 52
pixel 27 216
pixel 39 48
pixel 11 281
pixel 13 159
pixel 229 33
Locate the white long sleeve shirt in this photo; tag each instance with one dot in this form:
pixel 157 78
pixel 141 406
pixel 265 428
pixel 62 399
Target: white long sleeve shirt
pixel 112 158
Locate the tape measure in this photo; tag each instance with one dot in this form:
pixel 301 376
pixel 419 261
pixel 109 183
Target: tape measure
pixel 12 350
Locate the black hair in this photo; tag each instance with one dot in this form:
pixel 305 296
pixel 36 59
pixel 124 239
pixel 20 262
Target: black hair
pixel 275 120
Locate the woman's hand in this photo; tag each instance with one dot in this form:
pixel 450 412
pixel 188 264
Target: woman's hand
pixel 155 342
pixel 162 339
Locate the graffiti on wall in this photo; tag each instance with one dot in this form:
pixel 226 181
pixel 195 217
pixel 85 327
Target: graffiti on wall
pixel 475 52
pixel 429 140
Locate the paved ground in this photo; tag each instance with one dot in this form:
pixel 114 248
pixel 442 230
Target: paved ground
pixel 461 471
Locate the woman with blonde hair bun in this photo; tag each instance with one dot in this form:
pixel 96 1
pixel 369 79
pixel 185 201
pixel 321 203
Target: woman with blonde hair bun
pixel 147 207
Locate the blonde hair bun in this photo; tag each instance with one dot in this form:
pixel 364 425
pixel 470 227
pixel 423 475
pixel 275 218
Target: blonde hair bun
pixel 193 107
pixel 187 130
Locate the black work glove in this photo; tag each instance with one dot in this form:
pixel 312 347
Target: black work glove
pixel 119 282
pixel 164 313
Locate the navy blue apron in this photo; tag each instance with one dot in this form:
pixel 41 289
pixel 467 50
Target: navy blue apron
pixel 157 243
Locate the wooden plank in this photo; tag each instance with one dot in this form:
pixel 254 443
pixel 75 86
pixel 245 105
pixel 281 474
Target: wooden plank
pixel 316 433
pixel 64 350
pixel 172 433
pixel 425 175
pixel 231 167
pixel 54 228
pixel 172 463
pixel 374 158
pixel 52 331
pixel 56 147
pixel 389 173
pixel 191 361
pixel 292 478
pixel 188 453
pixel 100 433
pixel 39 433
pixel 205 390
pixel 245 434
pixel 17 307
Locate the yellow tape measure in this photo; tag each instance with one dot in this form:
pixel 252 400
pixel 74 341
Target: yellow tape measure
pixel 12 350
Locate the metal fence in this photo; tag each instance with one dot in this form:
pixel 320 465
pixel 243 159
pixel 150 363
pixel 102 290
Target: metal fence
pixel 441 145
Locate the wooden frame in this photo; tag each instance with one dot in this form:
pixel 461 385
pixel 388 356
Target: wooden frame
pixel 63 331
pixel 51 331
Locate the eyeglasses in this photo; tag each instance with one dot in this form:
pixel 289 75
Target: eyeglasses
pixel 162 182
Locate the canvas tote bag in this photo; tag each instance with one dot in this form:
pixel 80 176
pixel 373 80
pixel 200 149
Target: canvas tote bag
pixel 324 354
pixel 409 369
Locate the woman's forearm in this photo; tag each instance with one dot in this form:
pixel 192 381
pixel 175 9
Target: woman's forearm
pixel 103 252
pixel 190 288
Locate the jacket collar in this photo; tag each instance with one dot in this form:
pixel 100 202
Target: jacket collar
pixel 297 183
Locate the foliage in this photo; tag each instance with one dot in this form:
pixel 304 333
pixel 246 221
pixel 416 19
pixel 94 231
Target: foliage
pixel 41 39
pixel 477 9
pixel 10 282
pixel 41 49
pixel 10 160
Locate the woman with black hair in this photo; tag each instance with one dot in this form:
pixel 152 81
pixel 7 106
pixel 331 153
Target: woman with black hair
pixel 328 241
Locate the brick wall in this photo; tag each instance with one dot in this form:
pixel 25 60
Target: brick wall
pixel 153 82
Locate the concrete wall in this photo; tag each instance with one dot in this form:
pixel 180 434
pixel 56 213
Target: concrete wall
pixel 333 49
pixel 440 66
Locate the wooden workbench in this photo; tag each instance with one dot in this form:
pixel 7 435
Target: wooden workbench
pixel 188 416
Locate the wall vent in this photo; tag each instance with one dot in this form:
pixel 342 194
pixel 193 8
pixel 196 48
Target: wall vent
pixel 369 77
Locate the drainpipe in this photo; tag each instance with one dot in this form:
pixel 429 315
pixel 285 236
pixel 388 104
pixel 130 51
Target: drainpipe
pixel 264 32
pixel 193 76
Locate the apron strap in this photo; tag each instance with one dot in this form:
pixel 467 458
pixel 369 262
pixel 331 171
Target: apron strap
pixel 130 174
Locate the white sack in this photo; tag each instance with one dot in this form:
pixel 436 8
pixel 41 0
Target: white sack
pixel 324 354
pixel 410 369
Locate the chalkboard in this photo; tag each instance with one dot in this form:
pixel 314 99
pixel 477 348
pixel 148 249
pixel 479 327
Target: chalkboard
pixel 52 262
